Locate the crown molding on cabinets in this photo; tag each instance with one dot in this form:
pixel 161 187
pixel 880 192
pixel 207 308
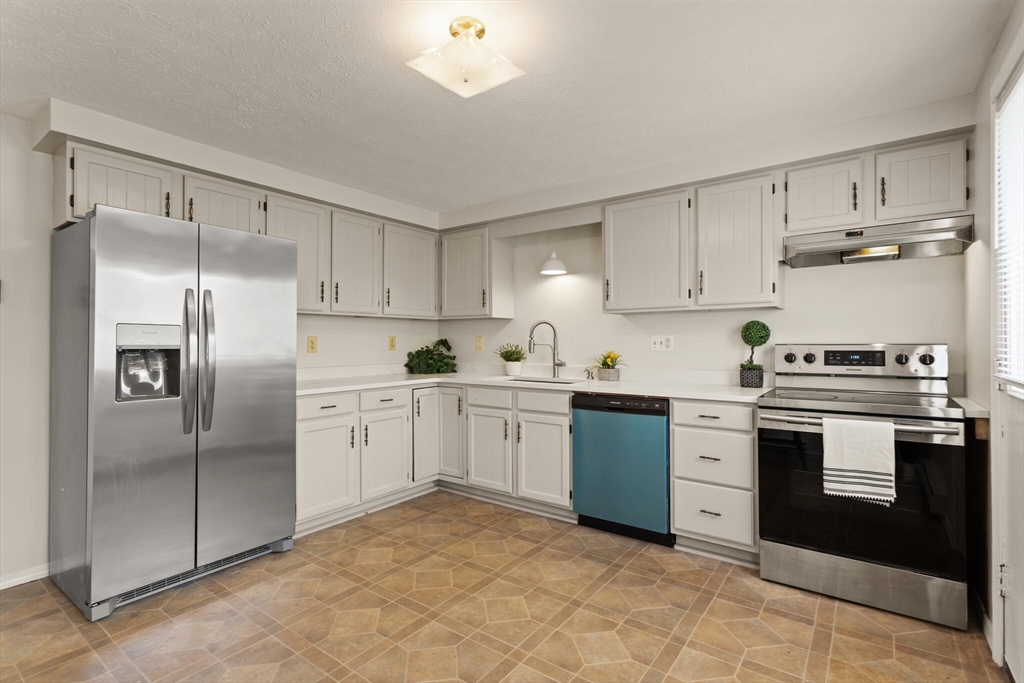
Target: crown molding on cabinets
pixel 58 121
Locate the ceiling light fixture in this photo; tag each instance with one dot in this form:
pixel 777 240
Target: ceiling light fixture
pixel 554 265
pixel 465 65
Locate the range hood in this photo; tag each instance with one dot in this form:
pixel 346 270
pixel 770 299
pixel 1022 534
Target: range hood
pixel 920 239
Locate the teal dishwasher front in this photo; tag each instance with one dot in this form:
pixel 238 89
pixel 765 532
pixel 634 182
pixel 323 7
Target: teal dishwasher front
pixel 620 460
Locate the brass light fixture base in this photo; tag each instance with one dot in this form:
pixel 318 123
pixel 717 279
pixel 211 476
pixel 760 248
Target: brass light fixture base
pixel 462 24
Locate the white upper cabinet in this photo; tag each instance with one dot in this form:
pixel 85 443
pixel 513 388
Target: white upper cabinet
pixel 426 437
pixel 101 177
pixel 356 264
pixel 453 433
pixel 825 195
pixel 921 180
pixel 646 252
pixel 223 204
pixel 306 224
pixel 410 272
pixel 490 450
pixel 385 452
pixel 543 457
pixel 735 251
pixel 476 275
pixel 326 466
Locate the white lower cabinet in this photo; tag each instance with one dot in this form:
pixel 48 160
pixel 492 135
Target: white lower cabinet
pixel 326 465
pixel 385 452
pixel 426 434
pixel 490 448
pixel 543 458
pixel 452 432
pixel 714 511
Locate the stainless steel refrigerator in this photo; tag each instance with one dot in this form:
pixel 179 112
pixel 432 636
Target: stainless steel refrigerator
pixel 172 403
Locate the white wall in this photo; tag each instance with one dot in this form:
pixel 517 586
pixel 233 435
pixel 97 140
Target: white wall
pixel 359 346
pixel 25 189
pixel 902 301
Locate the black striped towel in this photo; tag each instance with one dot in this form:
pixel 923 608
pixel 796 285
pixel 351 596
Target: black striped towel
pixel 860 460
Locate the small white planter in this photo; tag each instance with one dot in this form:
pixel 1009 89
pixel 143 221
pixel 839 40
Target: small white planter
pixel 513 369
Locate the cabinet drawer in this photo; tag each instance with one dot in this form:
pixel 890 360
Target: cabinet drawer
pixel 308 407
pixel 713 415
pixel 715 457
pixel 713 511
pixel 542 402
pixel 491 398
pixel 387 398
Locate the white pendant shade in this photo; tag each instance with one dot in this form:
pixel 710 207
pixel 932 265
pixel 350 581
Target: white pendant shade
pixel 466 66
pixel 553 266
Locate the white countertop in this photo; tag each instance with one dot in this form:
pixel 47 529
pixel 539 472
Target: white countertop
pixel 702 392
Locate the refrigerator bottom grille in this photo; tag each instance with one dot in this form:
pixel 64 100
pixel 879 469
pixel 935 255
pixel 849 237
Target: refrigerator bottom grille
pixel 171 581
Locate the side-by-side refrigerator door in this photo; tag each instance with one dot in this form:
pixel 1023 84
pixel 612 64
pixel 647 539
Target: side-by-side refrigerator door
pixel 142 400
pixel 246 417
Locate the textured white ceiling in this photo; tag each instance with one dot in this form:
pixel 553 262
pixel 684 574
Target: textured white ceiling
pixel 321 87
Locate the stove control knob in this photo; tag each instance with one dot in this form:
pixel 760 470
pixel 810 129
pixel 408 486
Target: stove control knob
pixel 789 357
pixel 810 358
pixel 902 359
pixel 927 359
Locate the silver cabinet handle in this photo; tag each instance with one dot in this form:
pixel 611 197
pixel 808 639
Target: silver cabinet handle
pixel 710 417
pixel 190 368
pixel 209 360
pixel 708 457
pixel 907 429
pixel 709 512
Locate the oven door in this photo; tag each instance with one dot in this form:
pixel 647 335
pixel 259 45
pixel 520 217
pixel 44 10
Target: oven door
pixel 923 531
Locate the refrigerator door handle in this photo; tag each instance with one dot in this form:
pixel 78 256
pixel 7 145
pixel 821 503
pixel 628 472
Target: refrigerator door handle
pixel 209 359
pixel 190 368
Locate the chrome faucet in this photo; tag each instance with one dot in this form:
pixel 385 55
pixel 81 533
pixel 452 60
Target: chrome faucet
pixel 555 363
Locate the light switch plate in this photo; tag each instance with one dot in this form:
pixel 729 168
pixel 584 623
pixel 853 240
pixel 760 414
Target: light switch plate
pixel 392 343
pixel 661 342
pixel 310 344
pixel 479 343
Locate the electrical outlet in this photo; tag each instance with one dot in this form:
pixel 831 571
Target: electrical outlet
pixel 310 344
pixel 479 343
pixel 392 343
pixel 661 343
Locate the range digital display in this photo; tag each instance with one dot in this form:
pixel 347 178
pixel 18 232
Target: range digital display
pixel 863 358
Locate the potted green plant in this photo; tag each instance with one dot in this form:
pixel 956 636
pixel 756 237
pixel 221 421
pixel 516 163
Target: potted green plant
pixel 607 366
pixel 755 333
pixel 513 355
pixel 431 359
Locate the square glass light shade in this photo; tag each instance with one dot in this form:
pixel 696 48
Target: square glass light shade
pixel 466 66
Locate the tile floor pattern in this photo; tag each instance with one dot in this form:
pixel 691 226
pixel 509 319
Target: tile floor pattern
pixel 447 588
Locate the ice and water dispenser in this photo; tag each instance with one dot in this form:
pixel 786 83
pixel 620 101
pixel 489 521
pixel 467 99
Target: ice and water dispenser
pixel 148 362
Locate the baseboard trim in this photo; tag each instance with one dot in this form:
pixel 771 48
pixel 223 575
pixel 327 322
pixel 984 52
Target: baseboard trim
pixel 309 526
pixel 722 553
pixel 509 501
pixel 24 576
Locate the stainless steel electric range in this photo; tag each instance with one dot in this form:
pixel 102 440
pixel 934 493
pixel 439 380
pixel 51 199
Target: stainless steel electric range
pixel 909 557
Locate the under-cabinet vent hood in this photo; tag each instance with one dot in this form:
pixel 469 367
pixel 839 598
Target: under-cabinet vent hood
pixel 920 239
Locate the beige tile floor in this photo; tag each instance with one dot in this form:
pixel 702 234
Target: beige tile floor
pixel 449 588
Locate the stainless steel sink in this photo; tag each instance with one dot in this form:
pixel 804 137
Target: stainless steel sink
pixel 548 380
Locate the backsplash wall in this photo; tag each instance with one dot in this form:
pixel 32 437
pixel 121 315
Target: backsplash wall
pixel 918 300
pixel 358 346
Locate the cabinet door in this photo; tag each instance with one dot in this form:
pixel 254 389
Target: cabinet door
pixel 826 195
pixel 113 180
pixel 223 204
pixel 326 466
pixel 453 439
pixel 543 456
pixel 426 436
pixel 464 274
pixel 734 242
pixel 647 260
pixel 356 263
pixel 385 452
pixel 921 180
pixel 410 272
pixel 306 224
pixel 490 449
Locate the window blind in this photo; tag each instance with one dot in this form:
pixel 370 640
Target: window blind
pixel 1009 233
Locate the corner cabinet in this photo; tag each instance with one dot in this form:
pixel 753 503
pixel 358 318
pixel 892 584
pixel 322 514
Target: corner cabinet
pixel 356 263
pixel 476 275
pixel 735 243
pixel 306 224
pixel 410 272
pixel 426 435
pixel 921 180
pixel 452 433
pixel 647 254
pixel 224 204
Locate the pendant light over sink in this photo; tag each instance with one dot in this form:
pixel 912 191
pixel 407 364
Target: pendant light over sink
pixel 554 265
pixel 465 65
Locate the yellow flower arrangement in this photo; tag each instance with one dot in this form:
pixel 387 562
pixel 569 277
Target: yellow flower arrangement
pixel 607 361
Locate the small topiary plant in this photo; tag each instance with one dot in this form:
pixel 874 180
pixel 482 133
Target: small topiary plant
pixel 754 334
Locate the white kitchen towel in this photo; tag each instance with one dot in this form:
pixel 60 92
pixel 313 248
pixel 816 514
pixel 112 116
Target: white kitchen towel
pixel 860 459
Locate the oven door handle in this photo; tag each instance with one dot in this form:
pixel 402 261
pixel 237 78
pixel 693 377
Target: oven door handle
pixel 907 429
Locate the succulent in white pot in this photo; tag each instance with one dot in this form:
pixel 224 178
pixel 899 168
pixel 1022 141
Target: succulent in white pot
pixel 513 355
